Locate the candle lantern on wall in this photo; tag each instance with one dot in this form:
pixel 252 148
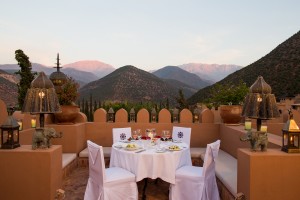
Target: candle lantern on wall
pixel 10 132
pixel 175 115
pixel 132 115
pixel 153 115
pixel 111 115
pixel 196 115
pixel 261 105
pixel 20 122
pixel 33 122
pixel 290 136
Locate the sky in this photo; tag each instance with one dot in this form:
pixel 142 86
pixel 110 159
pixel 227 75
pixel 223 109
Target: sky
pixel 148 34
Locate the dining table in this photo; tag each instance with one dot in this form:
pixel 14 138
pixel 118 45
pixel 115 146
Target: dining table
pixel 151 159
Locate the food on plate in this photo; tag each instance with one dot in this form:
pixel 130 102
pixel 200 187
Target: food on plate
pixel 174 147
pixel 131 146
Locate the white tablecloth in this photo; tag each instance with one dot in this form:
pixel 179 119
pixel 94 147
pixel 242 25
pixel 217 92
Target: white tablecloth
pixel 149 163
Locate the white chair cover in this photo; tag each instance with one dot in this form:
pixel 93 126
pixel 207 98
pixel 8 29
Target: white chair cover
pixel 120 134
pixel 108 184
pixel 182 133
pixel 197 183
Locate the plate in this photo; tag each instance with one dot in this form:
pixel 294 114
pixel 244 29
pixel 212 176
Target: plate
pixel 174 148
pixel 176 141
pixel 160 150
pixel 131 149
pixel 118 146
pixel 125 141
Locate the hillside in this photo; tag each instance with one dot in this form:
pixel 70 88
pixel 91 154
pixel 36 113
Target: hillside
pixel 132 84
pixel 213 72
pixel 280 69
pixel 176 73
pixel 8 88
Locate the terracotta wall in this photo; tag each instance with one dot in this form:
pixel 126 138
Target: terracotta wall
pixel 230 139
pixel 268 175
pixel 30 174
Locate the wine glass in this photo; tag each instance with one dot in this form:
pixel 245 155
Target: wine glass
pixel 167 134
pixel 139 134
pixel 134 135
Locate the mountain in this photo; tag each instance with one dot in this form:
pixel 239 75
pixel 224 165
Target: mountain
pixel 213 72
pixel 280 68
pixel 132 84
pixel 98 68
pixel 176 73
pixel 82 77
pixel 8 88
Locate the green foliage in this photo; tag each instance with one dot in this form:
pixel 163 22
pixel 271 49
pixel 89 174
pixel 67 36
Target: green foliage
pixel 68 93
pixel 26 75
pixel 181 100
pixel 228 94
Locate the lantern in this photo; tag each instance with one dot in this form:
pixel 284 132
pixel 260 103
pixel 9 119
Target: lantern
pixel 132 115
pixel 111 115
pixel 175 115
pixel 196 115
pixel 290 136
pixel 153 115
pixel 10 132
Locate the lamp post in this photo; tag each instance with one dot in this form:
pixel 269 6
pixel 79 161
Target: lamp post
pixel 196 115
pixel 261 105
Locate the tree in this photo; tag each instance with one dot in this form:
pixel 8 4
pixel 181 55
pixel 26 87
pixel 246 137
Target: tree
pixel 181 100
pixel 26 75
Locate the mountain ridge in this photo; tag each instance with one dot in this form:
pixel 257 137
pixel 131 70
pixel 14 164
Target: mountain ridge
pixel 280 68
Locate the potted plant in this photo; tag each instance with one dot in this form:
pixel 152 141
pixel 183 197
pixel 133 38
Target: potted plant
pixel 230 98
pixel 67 95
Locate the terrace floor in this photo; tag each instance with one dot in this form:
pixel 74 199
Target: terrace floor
pixel 75 184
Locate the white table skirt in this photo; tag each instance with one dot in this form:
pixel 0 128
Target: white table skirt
pixel 151 164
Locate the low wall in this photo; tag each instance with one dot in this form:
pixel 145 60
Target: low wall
pixel 230 139
pixel 268 175
pixel 30 174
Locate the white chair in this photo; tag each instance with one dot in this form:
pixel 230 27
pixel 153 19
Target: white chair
pixel 197 183
pixel 108 184
pixel 182 133
pixel 120 134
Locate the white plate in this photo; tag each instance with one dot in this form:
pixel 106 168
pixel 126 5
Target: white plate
pixel 176 141
pixel 125 141
pixel 118 146
pixel 160 150
pixel 178 149
pixel 131 149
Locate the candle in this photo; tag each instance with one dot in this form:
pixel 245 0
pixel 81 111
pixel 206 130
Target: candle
pixel 20 125
pixel 150 135
pixel 263 128
pixel 33 123
pixel 248 125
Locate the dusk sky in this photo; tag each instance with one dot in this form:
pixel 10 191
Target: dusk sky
pixel 146 34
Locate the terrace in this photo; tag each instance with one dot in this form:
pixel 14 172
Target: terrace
pixel 38 174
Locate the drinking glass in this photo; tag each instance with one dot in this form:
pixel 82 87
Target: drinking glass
pixel 139 134
pixel 134 135
pixel 167 134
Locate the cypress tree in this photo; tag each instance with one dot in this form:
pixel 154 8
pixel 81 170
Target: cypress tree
pixel 26 75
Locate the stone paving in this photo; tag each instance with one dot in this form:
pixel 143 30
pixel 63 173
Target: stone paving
pixel 75 184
